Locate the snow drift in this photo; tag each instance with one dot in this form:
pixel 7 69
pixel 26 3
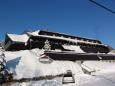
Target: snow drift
pixel 25 64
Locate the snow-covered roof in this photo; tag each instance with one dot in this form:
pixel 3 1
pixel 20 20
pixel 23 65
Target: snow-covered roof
pixel 34 33
pixel 69 39
pixel 112 52
pixel 70 35
pixel 75 48
pixel 18 38
pixel 25 37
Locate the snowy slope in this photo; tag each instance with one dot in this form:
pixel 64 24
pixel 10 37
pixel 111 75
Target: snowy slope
pixel 101 66
pixel 25 64
pixel 81 80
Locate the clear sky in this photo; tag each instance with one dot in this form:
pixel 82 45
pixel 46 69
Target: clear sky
pixel 76 17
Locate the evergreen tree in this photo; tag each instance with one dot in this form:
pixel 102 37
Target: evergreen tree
pixel 47 46
pixel 4 75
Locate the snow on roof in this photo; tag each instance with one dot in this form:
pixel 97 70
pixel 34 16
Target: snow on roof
pixel 71 35
pixel 69 39
pixel 34 33
pixel 75 48
pixel 112 52
pixel 18 38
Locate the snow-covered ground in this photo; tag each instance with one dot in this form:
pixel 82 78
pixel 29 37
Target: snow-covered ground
pixel 26 64
pixel 80 80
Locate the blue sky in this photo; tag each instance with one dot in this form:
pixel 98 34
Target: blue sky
pixel 76 17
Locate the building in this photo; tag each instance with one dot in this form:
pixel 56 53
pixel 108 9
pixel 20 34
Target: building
pixel 36 39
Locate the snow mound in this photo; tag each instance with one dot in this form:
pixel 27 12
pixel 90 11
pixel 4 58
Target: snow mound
pixel 25 64
pixel 54 82
pixel 101 66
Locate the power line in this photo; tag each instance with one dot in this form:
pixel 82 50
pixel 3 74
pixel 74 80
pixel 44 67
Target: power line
pixel 102 6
